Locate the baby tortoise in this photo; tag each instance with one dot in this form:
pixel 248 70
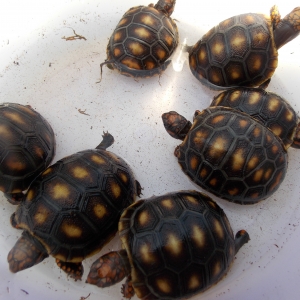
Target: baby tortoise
pixel 269 108
pixel 242 50
pixel 229 154
pixel 72 209
pixel 143 41
pixel 175 246
pixel 27 147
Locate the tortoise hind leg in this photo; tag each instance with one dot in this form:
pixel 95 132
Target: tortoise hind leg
pixel 26 253
pixel 14 198
pixel 74 270
pixel 241 238
pixel 107 141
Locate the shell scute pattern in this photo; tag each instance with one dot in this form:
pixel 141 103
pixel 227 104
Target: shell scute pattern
pixel 142 41
pixel 175 248
pixel 242 50
pixel 238 51
pixel 183 253
pixel 73 207
pixel 232 163
pixel 269 108
pixel 146 219
pixel 27 146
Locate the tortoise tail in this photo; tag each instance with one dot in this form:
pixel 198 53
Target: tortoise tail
pixel 288 28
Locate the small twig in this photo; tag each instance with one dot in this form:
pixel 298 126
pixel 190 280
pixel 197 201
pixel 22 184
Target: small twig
pixel 82 112
pixel 83 298
pixel 74 37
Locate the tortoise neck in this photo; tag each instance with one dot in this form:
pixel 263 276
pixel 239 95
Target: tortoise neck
pixel 165 6
pixel 288 28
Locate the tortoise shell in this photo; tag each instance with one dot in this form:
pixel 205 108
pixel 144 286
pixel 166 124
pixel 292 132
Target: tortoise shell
pixel 143 41
pixel 269 108
pixel 27 147
pixel 233 156
pixel 242 50
pixel 72 209
pixel 178 244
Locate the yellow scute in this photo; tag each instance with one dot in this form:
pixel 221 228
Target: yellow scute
pixel 59 191
pixel 100 210
pixel 174 244
pixel 79 172
pixel 72 231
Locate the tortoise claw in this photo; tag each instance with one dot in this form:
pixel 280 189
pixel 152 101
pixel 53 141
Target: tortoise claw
pixel 127 289
pixel 74 270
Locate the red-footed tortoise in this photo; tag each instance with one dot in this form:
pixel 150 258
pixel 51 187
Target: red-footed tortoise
pixel 143 40
pixel 269 108
pixel 229 154
pixel 27 147
pixel 175 246
pixel 72 209
pixel 242 50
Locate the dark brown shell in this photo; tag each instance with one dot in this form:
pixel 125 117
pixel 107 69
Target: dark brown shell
pixel 27 146
pixel 142 42
pixel 178 244
pixel 240 51
pixel 74 206
pixel 231 155
pixel 267 107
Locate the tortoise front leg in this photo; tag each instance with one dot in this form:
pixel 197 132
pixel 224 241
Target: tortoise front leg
pixel 127 288
pixel 74 270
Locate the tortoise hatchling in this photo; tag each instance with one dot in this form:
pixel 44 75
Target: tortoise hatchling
pixel 72 209
pixel 242 50
pixel 27 147
pixel 175 246
pixel 267 107
pixel 229 154
pixel 143 40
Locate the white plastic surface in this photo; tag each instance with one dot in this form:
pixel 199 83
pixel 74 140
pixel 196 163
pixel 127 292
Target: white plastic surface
pixel 58 79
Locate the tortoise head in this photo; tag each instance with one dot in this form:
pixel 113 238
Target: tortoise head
pixel 165 6
pixel 109 269
pixel 176 125
pixel 288 28
pixel 27 252
pixel 296 142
